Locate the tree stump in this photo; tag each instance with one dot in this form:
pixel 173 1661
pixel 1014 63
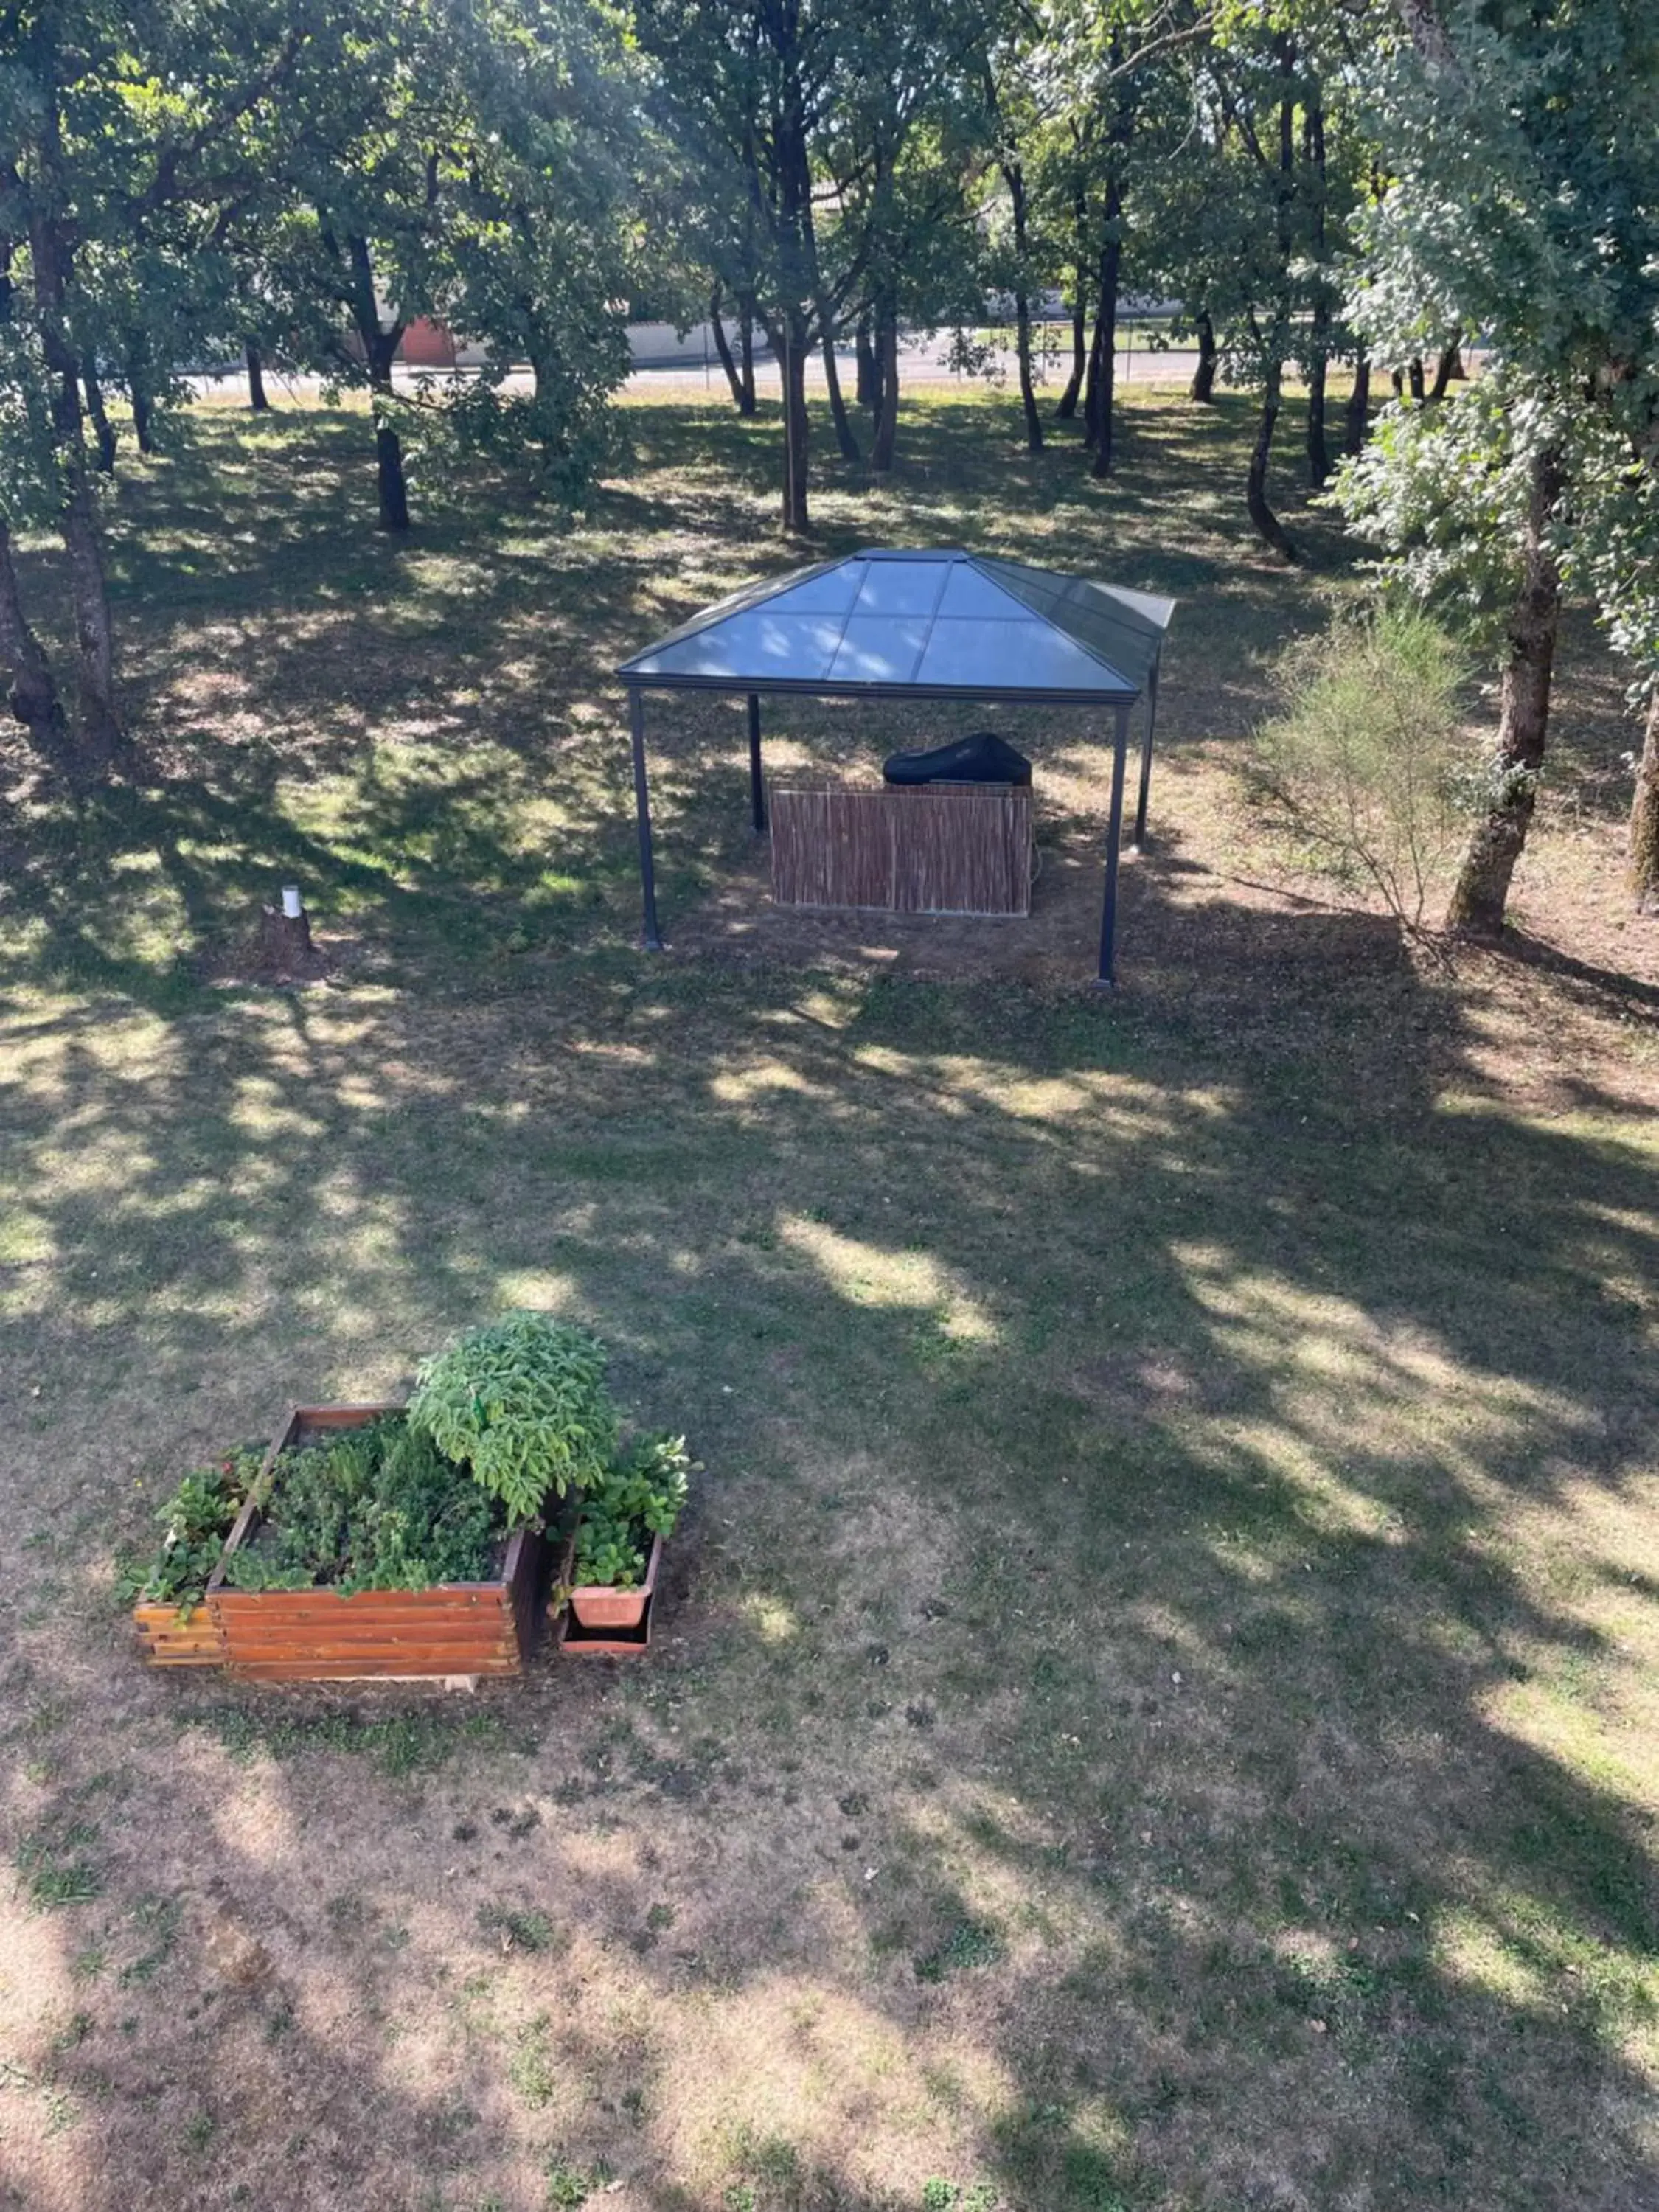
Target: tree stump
pixel 284 938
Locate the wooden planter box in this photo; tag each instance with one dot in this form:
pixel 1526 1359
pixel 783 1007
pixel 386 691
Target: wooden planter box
pixel 576 1642
pixel 458 1629
pixel 179 1636
pixel 599 1606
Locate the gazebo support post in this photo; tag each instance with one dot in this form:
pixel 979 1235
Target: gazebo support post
pixel 756 784
pixel 1146 758
pixel 642 809
pixel 1107 978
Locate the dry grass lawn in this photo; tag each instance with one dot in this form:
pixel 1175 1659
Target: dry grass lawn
pixel 1155 1705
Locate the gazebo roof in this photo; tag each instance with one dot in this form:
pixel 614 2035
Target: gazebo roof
pixel 940 624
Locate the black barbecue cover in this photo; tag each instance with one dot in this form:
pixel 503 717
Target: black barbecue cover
pixel 983 758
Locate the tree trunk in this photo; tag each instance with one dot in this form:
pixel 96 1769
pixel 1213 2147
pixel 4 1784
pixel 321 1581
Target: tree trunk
pixel 101 732
pixel 1027 382
pixel 1015 173
pixel 1313 149
pixel 1483 883
pixel 791 348
pixel 390 486
pixel 102 428
pixel 1447 370
pixel 99 736
pixel 1268 527
pixel 1105 423
pixel 1065 405
pixel 139 392
pixel 746 354
pixel 380 350
pixel 1202 387
pixel 791 192
pixel 1319 453
pixel 32 695
pixel 548 388
pixel 1091 389
pixel 1357 419
pixel 1644 819
pixel 847 444
pixel 722 347
pixel 1103 426
pixel 869 370
pixel 886 427
pixel 255 380
pixel 1068 398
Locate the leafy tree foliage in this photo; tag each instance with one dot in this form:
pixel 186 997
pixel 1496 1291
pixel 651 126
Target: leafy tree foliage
pixel 1524 205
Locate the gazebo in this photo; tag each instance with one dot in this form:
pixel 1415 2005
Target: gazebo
pixel 944 624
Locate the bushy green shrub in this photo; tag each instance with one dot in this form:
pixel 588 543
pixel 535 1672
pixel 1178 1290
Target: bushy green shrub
pixel 1366 775
pixel 640 1498
pixel 522 1403
pixel 374 1508
pixel 195 1522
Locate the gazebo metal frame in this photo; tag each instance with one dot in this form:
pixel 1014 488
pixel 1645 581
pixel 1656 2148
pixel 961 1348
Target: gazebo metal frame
pixel 653 670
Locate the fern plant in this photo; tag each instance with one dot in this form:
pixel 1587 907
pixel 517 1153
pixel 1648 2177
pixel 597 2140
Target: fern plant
pixel 522 1403
pixel 640 1496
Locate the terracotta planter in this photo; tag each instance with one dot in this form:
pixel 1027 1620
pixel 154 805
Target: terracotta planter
pixel 576 1642
pixel 454 1632
pixel 597 1605
pixel 178 1635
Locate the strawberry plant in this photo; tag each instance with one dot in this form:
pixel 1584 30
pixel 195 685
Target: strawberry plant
pixel 195 1522
pixel 522 1403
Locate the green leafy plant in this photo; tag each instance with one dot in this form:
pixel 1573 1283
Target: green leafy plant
pixel 970 1943
pixel 523 1404
pixel 517 1927
pixel 374 1508
pixel 569 2186
pixel 640 1498
pixel 195 1522
pixel 1365 777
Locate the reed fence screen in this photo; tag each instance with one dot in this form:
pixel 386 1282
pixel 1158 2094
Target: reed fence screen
pixel 931 848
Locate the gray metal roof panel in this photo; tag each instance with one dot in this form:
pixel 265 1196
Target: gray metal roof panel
pixel 936 619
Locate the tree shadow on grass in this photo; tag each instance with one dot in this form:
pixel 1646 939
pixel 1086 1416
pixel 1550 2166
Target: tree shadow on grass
pixel 1044 1351
pixel 1040 1348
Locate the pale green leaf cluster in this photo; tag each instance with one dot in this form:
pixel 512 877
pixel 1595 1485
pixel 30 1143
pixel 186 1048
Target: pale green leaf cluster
pixel 1365 777
pixel 521 1402
pixel 1442 493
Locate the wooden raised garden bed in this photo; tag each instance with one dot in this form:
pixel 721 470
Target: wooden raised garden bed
pixel 179 1635
pixel 454 1629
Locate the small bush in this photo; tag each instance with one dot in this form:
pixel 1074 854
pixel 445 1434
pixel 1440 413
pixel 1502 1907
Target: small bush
pixel 522 1403
pixel 1364 777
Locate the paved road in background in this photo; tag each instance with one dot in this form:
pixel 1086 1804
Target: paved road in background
pixel 925 363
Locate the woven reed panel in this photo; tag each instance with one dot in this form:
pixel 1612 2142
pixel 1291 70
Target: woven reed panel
pixel 937 848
